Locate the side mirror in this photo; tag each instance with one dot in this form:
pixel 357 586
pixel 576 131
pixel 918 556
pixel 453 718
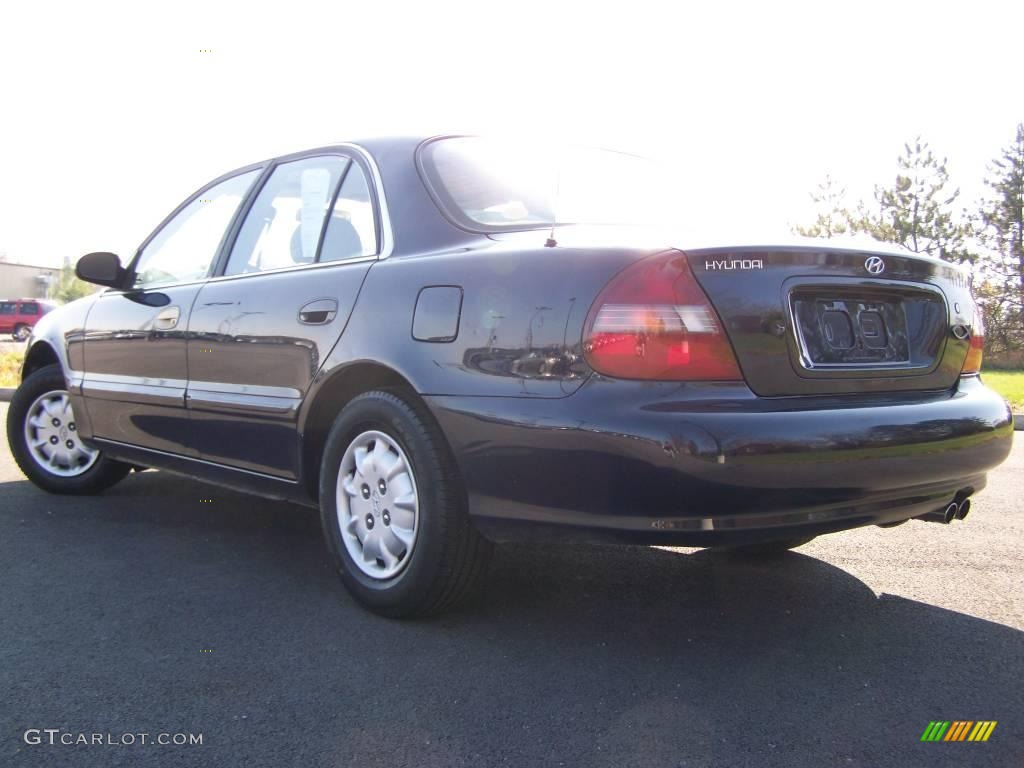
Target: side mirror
pixel 101 268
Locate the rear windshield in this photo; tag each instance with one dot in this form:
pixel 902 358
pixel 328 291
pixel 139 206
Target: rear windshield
pixel 490 185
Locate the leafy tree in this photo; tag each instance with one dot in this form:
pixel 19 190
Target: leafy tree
pixel 68 287
pixel 833 219
pixel 916 212
pixel 1001 231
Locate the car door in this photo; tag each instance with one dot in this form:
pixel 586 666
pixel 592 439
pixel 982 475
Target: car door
pixel 260 330
pixel 134 343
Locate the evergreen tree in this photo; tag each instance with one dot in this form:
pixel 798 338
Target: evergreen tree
pixel 1001 229
pixel 916 212
pixel 833 219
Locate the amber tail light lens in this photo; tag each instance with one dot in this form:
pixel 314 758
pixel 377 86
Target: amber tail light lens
pixel 972 363
pixel 653 321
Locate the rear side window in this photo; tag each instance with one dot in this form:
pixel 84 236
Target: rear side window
pixel 8 308
pixel 185 248
pixel 30 308
pixel 283 227
pixel 351 231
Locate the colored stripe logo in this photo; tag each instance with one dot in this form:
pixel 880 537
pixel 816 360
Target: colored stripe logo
pixel 958 730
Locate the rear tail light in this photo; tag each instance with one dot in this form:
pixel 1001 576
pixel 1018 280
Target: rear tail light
pixel 653 321
pixel 972 363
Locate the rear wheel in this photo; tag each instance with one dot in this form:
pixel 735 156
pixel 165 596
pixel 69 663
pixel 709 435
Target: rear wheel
pixel 394 509
pixel 21 332
pixel 44 439
pixel 768 548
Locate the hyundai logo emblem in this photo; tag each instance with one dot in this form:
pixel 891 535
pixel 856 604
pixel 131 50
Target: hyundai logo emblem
pixel 874 265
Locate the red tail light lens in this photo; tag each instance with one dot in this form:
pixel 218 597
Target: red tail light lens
pixel 972 363
pixel 654 322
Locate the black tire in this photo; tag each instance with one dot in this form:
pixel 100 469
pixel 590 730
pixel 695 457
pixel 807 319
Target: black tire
pixel 449 558
pixel 21 332
pixel 101 475
pixel 768 548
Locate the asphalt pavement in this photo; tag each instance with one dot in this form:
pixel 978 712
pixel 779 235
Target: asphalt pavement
pixel 167 606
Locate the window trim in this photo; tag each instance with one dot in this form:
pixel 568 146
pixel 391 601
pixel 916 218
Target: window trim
pixel 231 234
pixel 352 153
pixel 295 268
pixel 220 264
pixel 330 213
pixel 381 215
pixel 130 269
pixel 375 183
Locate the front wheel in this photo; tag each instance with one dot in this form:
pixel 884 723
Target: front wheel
pixel 394 509
pixel 44 439
pixel 21 332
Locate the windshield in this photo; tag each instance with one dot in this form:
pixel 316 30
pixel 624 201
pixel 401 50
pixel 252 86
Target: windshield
pixel 489 185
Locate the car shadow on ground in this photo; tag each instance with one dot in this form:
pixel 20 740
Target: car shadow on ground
pixel 574 655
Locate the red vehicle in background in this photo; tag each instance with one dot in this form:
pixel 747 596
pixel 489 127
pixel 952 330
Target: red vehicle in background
pixel 17 316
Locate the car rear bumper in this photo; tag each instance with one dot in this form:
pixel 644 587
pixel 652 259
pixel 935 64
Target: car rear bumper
pixel 713 463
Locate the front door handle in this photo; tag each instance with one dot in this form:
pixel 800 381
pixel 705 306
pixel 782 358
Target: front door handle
pixel 167 319
pixel 318 312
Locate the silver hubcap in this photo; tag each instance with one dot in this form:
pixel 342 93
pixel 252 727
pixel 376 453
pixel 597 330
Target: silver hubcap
pixel 378 510
pixel 52 437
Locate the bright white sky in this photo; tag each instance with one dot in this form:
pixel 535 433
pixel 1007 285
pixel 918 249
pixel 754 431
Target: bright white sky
pixel 110 114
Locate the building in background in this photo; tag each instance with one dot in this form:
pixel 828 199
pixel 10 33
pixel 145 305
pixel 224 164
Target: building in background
pixel 26 281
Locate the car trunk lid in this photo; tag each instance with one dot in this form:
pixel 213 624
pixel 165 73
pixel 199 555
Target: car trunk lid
pixel 807 320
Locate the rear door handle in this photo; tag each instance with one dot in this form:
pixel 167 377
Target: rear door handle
pixel 318 312
pixel 167 319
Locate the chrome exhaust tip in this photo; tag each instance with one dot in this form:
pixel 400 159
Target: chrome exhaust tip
pixel 944 516
pixel 963 509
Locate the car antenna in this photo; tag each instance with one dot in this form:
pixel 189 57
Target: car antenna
pixel 551 242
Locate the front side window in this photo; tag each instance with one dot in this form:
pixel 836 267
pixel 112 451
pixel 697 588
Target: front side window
pixel 283 227
pixel 185 248
pixel 490 185
pixel 30 308
pixel 351 231
pixel 8 308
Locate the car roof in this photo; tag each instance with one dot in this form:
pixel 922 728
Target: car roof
pixel 374 145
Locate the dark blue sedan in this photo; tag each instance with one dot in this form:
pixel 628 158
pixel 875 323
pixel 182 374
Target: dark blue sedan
pixel 447 342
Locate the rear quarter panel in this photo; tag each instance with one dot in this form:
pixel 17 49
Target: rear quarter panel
pixel 520 327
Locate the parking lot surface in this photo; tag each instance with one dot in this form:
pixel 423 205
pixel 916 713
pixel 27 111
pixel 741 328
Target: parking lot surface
pixel 170 606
